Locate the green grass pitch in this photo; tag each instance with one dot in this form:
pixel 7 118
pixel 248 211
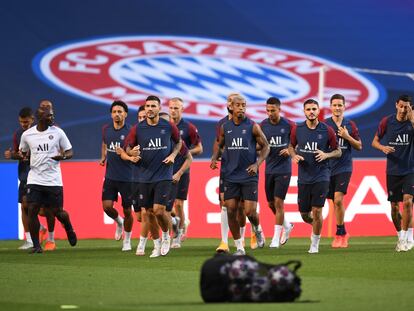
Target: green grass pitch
pixel 96 275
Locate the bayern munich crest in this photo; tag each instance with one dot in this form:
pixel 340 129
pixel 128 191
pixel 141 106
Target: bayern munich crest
pixel 200 71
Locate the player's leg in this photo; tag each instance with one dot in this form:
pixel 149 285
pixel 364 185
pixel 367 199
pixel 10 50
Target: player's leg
pixel 154 229
pixel 161 192
pixel 319 191
pixel 109 196
pixel 224 224
pixel 249 193
pixel 281 186
pixel 28 243
pixel 407 199
pixel 48 213
pixel 241 218
pixel 125 189
pixel 394 186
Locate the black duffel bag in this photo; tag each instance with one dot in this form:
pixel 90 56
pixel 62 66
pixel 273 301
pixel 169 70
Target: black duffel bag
pixel 227 278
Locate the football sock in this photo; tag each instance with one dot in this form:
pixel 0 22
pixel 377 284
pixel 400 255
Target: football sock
pixel 315 238
pixel 127 236
pixel 28 237
pixel 51 236
pixel 340 230
pixel 278 231
pixel 410 235
pixel 165 235
pixel 242 232
pixel 286 224
pixel 118 220
pixel 239 243
pixel 224 225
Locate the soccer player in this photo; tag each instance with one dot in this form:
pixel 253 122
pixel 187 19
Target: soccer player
pixel 397 134
pixel 239 137
pixel 189 135
pixel 347 135
pixel 47 145
pixel 224 225
pixel 277 130
pixel 118 175
pixel 26 119
pixel 312 144
pixel 159 142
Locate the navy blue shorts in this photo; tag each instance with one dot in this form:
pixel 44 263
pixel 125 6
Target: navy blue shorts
pixel 312 195
pixel 173 196
pixel 397 186
pixel 22 190
pixel 47 196
pixel 134 197
pixel 276 185
pixel 339 183
pixel 182 187
pixel 154 193
pixel 243 191
pixel 111 188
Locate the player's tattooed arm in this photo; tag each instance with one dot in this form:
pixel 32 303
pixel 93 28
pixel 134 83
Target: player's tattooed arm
pixel 218 146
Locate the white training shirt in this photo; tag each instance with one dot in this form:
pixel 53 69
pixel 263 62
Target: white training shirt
pixel 43 146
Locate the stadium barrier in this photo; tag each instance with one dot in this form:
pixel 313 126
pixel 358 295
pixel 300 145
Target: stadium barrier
pixel 367 208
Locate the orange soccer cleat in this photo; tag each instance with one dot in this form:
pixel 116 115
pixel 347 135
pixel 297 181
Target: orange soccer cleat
pixel 50 246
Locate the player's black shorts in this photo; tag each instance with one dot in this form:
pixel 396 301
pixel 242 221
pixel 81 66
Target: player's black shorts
pixel 48 196
pixel 22 190
pixel 397 186
pixel 173 196
pixel 134 197
pixel 111 188
pixel 243 191
pixel 182 187
pixel 154 193
pixel 276 185
pixel 339 183
pixel 312 195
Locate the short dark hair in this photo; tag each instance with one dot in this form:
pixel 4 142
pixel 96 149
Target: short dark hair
pixel 162 113
pixel 119 103
pixel 141 108
pixel 310 101
pixel 273 101
pixel 26 112
pixel 153 97
pixel 405 98
pixel 337 96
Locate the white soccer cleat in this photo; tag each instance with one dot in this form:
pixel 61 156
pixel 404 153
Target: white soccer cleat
pixel 126 246
pixel 285 235
pixel 140 250
pixel 119 230
pixel 239 252
pixel 176 243
pixel 275 243
pixel 402 246
pixel 410 245
pixel 260 238
pixel 313 249
pixel 26 245
pixel 165 246
pixel 156 252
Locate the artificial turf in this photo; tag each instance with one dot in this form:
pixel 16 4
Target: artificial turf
pixel 96 275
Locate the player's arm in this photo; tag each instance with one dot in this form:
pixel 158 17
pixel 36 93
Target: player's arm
pixel 353 140
pixel 292 147
pixel 186 165
pixel 175 136
pixel 65 155
pixel 376 142
pixel 218 145
pixel 197 146
pixel 333 144
pixel 262 153
pixel 126 157
pixel 103 154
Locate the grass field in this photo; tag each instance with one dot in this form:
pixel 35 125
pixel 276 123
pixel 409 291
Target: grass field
pixel 96 275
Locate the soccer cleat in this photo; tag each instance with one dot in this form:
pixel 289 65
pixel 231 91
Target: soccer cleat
pixel 240 252
pixel 410 245
pixel 50 246
pixel 313 249
pixel 165 246
pixel 260 238
pixel 26 245
pixel 36 250
pixel 344 241
pixel 140 249
pixel 337 242
pixel 156 252
pixel 253 241
pixel 72 237
pixel 275 243
pixel 176 242
pixel 42 235
pixel 222 248
pixel 119 230
pixel 285 235
pixel 401 246
pixel 126 246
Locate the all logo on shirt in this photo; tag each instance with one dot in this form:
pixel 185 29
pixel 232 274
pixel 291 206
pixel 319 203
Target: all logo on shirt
pixel 43 147
pixel 202 72
pixel 310 147
pixel 401 139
